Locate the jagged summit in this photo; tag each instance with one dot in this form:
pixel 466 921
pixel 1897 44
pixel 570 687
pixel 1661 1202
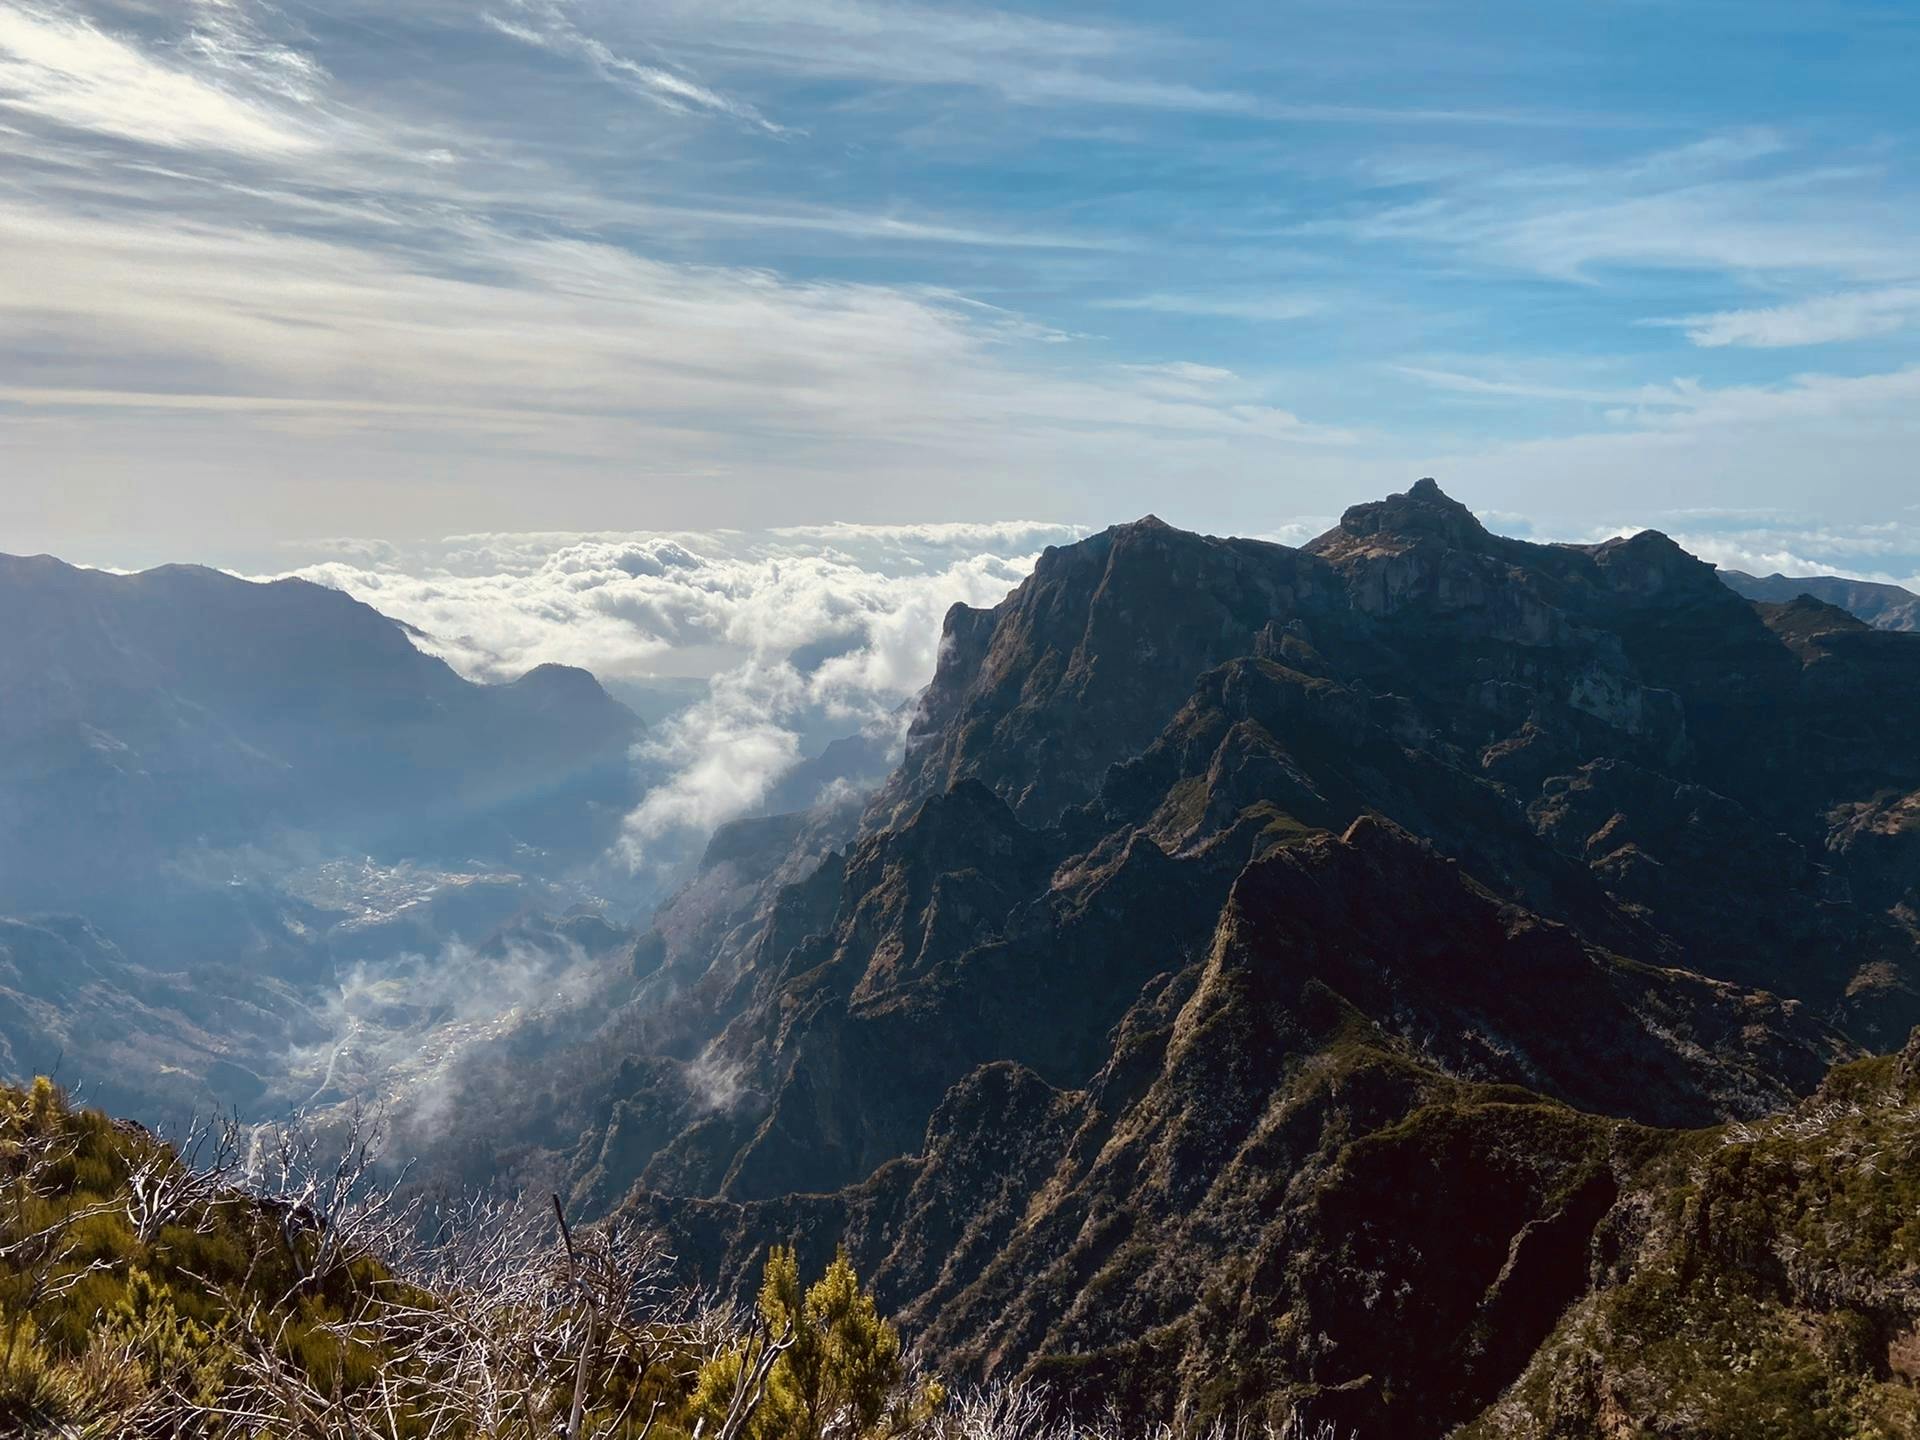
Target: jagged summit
pixel 1423 511
pixel 1653 565
pixel 1079 667
pixel 1814 614
pixel 1810 626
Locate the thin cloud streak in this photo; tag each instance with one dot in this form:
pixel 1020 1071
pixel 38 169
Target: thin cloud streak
pixel 1256 309
pixel 1734 203
pixel 1024 60
pixel 1821 320
pixel 548 27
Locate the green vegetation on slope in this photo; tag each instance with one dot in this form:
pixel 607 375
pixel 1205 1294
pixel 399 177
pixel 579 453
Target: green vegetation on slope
pixel 141 1296
pixel 1755 1280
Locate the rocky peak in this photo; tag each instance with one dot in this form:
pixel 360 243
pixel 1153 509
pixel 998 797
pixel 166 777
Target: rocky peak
pixel 1424 552
pixel 1424 511
pixel 1651 565
pixel 1085 662
pixel 1209 858
pixel 571 694
pixel 1803 617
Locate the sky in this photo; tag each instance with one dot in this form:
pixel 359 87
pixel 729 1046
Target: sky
pixel 397 270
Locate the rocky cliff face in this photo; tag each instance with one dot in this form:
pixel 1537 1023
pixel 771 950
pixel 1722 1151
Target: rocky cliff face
pixel 1082 664
pixel 1273 963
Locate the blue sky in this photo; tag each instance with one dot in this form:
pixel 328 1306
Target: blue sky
pixel 406 269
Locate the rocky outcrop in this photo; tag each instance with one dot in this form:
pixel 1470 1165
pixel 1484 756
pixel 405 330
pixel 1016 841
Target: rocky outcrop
pixel 1755 1280
pixel 1086 661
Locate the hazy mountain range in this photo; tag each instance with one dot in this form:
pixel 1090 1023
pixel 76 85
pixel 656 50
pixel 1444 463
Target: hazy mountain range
pixel 230 792
pixel 1301 966
pixel 1886 607
pixel 256 845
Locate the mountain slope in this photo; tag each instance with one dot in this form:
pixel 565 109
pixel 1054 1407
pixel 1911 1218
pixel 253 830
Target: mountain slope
pixel 1757 1280
pixel 1751 1279
pixel 1297 982
pixel 1067 1231
pixel 1255 937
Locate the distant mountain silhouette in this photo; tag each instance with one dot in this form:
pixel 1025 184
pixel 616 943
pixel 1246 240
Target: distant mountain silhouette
pixel 1885 607
pixel 183 709
pixel 175 745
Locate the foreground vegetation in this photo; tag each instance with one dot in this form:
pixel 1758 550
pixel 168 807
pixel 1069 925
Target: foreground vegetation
pixel 150 1289
pixel 1757 1279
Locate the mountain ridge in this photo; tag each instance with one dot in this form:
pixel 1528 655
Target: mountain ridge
pixel 205 708
pixel 1214 864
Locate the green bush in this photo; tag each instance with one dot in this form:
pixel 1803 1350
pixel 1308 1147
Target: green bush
pixel 839 1367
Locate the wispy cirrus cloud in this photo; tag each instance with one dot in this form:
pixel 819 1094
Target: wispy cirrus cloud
pixel 1254 308
pixel 700 262
pixel 1689 405
pixel 387 288
pixel 1743 203
pixel 60 66
pixel 1020 56
pixel 549 25
pixel 1517 384
pixel 523 334
pixel 1026 58
pixel 1819 320
pixel 1807 446
pixel 225 37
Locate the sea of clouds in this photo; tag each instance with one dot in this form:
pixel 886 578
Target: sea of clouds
pixel 761 647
